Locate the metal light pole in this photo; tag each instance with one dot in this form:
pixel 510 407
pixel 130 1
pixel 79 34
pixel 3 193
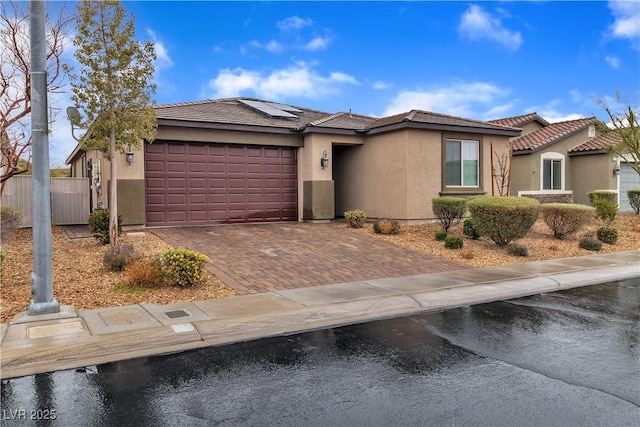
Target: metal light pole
pixel 42 276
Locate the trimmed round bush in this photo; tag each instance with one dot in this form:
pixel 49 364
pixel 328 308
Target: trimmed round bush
pixel 386 226
pixel 504 219
pixel 183 267
pixel 590 244
pixel 634 199
pixel 356 218
pixel 118 257
pixel 517 249
pixel 606 210
pixel 449 210
pixel 453 242
pixel 99 225
pixel 564 219
pixel 608 235
pixel 441 235
pixel 469 229
pixel 609 196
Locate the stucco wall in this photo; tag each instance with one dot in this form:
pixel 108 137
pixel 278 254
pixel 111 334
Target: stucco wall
pixel 591 172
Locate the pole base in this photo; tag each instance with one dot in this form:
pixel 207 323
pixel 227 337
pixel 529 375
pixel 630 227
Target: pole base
pixel 48 307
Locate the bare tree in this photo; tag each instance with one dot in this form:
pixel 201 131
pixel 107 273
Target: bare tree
pixel 15 80
pixel 625 124
pixel 502 171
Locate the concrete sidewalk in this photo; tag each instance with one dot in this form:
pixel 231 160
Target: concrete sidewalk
pixel 71 339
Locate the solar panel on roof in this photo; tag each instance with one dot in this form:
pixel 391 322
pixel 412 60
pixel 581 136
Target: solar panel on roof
pixel 284 107
pixel 268 109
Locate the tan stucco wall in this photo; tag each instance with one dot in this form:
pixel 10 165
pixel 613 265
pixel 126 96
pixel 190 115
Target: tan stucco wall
pixel 530 127
pixel 228 137
pixel 591 172
pixel 527 168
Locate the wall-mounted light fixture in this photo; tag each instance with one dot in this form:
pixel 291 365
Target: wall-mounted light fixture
pixel 324 161
pixel 616 170
pixel 129 155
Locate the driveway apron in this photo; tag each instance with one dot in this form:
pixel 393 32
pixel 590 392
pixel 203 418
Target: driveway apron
pixel 256 258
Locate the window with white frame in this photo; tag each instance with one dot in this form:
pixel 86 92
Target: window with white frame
pixel 552 175
pixel 462 163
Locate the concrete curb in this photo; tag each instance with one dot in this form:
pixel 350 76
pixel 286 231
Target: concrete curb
pixel 90 337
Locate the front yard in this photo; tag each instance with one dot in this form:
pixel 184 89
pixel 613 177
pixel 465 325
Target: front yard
pixel 81 280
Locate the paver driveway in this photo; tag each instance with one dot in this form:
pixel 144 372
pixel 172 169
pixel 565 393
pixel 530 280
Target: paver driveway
pixel 254 258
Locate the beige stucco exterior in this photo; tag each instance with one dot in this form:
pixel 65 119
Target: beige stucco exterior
pixel 591 172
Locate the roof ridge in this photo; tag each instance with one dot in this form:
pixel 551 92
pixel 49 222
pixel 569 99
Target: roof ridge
pixel 325 119
pixel 484 122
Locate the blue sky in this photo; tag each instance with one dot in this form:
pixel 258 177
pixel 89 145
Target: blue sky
pixel 480 60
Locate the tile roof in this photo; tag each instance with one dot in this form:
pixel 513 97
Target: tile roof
pixel 548 135
pixel 427 117
pixel 231 111
pixel 344 120
pixel 599 143
pixel 517 121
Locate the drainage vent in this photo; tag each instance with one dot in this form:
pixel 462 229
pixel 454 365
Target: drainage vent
pixel 176 314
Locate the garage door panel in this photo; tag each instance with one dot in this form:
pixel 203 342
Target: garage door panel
pixel 193 183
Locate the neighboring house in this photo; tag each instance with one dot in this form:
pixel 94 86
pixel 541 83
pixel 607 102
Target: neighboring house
pixel 566 160
pixel 244 159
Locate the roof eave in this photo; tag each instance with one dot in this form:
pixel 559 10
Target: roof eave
pixel 228 126
pixel 442 127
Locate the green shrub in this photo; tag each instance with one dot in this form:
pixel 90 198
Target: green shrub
pixel 99 225
pixel 606 210
pixel 517 249
pixel 355 218
pixel 470 229
pixel 453 242
pixel 634 199
pixel 590 244
pixel 9 221
pixel 449 210
pixel 565 219
pixel 117 258
pixel 610 196
pixel 386 226
pixel 441 235
pixel 504 219
pixel 183 267
pixel 608 235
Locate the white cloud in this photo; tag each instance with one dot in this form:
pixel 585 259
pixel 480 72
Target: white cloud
pixel 317 43
pixel 297 80
pixel 274 47
pixel 613 61
pixel 576 95
pixel 380 85
pixel 477 24
pixel 627 19
pixel 550 113
pixel 458 98
pixel 163 60
pixel 293 23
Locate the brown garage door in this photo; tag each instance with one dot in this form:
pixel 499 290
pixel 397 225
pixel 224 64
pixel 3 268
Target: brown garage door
pixel 193 184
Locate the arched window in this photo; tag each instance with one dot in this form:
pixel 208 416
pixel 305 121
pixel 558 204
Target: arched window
pixel 552 167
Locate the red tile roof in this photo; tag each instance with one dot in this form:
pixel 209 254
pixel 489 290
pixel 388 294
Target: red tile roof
pixel 599 143
pixel 518 121
pixel 548 135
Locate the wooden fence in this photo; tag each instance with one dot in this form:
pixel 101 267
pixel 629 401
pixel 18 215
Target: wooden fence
pixel 69 199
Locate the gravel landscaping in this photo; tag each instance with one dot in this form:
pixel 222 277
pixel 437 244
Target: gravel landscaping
pixel 81 280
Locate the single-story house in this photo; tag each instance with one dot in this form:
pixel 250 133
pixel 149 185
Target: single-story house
pixel 566 160
pixel 245 159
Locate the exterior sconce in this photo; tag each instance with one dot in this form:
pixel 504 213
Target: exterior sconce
pixel 324 161
pixel 616 170
pixel 129 156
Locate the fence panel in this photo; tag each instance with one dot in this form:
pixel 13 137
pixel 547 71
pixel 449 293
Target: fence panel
pixel 69 199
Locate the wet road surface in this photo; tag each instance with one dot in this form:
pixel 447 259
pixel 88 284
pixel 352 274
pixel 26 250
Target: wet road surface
pixel 570 358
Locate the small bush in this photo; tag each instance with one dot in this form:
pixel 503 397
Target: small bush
pixel 517 249
pixel 610 196
pixel 469 229
pixel 441 235
pixel 449 210
pixel 1 259
pixel 504 219
pixel 634 199
pixel 606 210
pixel 117 258
pixel 466 253
pixel 144 272
pixel 355 218
pixel 386 226
pixel 590 244
pixel 453 242
pixel 99 225
pixel 608 235
pixel 183 267
pixel 9 221
pixel 565 219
